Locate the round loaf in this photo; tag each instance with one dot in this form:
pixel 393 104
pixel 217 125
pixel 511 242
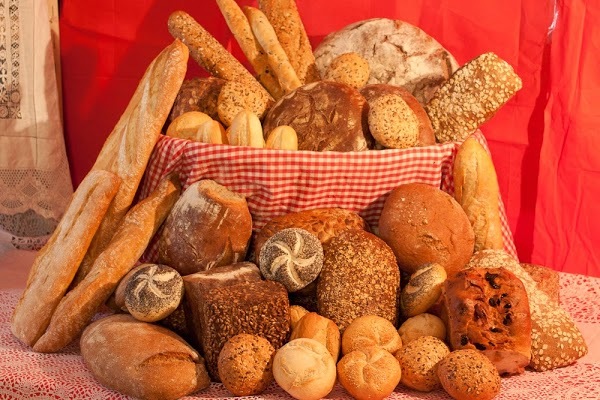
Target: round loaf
pixel 296 314
pixel 369 374
pixel 198 94
pixel 422 325
pixel 246 364
pixel 423 225
pixel 468 375
pixel 350 69
pixel 209 226
pixel 326 115
pixel 398 53
pixel 321 329
pixel 371 330
pixel 305 369
pixel 359 277
pixel 423 289
pixel 418 361
pixel 153 292
pixel 375 91
pixel 392 122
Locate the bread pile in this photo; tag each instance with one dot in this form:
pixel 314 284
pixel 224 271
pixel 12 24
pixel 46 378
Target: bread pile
pixel 314 296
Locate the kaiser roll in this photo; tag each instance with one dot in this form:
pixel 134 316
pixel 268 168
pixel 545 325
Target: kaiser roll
pixel 371 330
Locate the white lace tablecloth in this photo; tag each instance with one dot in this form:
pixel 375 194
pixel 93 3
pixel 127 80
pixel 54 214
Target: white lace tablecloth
pixel 26 375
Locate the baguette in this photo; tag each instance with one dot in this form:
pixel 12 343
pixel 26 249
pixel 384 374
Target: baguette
pixel 286 21
pixel 57 262
pixel 78 307
pixel 278 59
pixel 476 190
pixel 239 26
pixel 127 150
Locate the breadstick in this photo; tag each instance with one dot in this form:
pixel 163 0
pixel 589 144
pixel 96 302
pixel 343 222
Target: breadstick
pixel 78 307
pixel 278 59
pixel 209 53
pixel 57 262
pixel 239 26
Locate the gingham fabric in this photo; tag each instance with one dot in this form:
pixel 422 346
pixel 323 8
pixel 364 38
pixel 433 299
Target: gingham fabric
pixel 277 182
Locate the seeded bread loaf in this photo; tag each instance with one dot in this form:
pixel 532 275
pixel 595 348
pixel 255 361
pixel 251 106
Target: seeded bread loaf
pixel 546 279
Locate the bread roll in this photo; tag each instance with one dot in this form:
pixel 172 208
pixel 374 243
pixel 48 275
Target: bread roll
pixel 422 325
pixel 468 375
pixel 371 330
pixel 296 314
pixel 246 364
pixel 418 361
pixel 350 69
pixel 392 122
pixel 186 125
pixel 141 360
pixel 369 374
pixel 321 329
pixel 245 130
pixel 476 190
pixel 305 369
pixel 236 97
pixel 198 94
pixel 283 137
pixel 422 225
pixel 209 226
pixel 211 132
pixel 422 290
pixel 119 293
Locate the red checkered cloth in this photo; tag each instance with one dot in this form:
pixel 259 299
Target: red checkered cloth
pixel 277 182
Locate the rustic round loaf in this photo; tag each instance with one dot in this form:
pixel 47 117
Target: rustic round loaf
pixel 422 290
pixel 422 224
pixel 398 53
pixel 418 361
pixel 198 94
pixel 371 330
pixel 326 115
pixel 468 375
pixel 359 277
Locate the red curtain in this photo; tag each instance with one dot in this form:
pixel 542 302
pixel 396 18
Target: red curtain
pixel 542 141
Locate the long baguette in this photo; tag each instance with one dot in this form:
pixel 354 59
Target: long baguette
pixel 78 307
pixel 127 150
pixel 57 262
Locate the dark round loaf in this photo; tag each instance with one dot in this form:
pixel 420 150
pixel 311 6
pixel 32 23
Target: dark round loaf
pixel 326 115
pixel 422 224
pixel 198 94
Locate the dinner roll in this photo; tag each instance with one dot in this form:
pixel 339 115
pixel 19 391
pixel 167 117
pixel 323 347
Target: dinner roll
pixel 296 314
pixel 418 360
pixel 323 330
pixel 423 289
pixel 371 330
pixel 468 375
pixel 422 325
pixel 186 125
pixel 392 122
pixel 369 374
pixel 349 68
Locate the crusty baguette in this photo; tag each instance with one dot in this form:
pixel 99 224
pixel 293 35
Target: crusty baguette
pixel 209 53
pixel 57 262
pixel 476 190
pixel 286 21
pixel 127 150
pixel 276 56
pixel 132 236
pixel 239 26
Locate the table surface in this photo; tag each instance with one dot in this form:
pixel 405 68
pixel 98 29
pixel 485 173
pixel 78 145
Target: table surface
pixel 26 374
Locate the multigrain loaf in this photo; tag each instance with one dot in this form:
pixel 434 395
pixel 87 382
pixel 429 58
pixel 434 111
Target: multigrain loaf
pixel 546 279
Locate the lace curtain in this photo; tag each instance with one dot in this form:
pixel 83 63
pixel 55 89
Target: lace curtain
pixel 35 184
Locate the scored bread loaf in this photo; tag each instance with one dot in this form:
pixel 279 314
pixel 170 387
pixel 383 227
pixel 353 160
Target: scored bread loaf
pixel 56 264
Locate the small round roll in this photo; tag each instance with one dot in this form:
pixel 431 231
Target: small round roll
pixel 423 289
pixel 371 330
pixel 321 329
pixel 422 325
pixel 349 68
pixel 469 375
pixel 296 314
pixel 392 122
pixel 418 361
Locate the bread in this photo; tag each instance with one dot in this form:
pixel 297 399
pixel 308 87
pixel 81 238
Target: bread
pixel 371 330
pixel 321 329
pixel 127 149
pixel 325 223
pixel 186 125
pixel 327 116
pixel 375 91
pixel 236 97
pixel 471 97
pixel 283 138
pixel 276 56
pixel 293 257
pixel 56 264
pixel 246 364
pixel 359 277
pixel 418 361
pixel 350 69
pixel 198 94
pixel 369 374
pixel 133 234
pixel 210 54
pixel 398 54
pixel 547 280
pixel 119 293
pixel 422 225
pixel 304 369
pixel 422 325
pixel 240 27
pixel 141 360
pixel 422 290
pixel 245 130
pixel 209 226
pixel 555 339
pixel 392 122
pixel 468 375
pixel 476 190
pixel 153 292
pixel 487 309
pixel 296 314
pixel 211 132
pixel 285 19
pixel 258 308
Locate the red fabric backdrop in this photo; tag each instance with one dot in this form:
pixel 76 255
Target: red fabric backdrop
pixel 542 141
